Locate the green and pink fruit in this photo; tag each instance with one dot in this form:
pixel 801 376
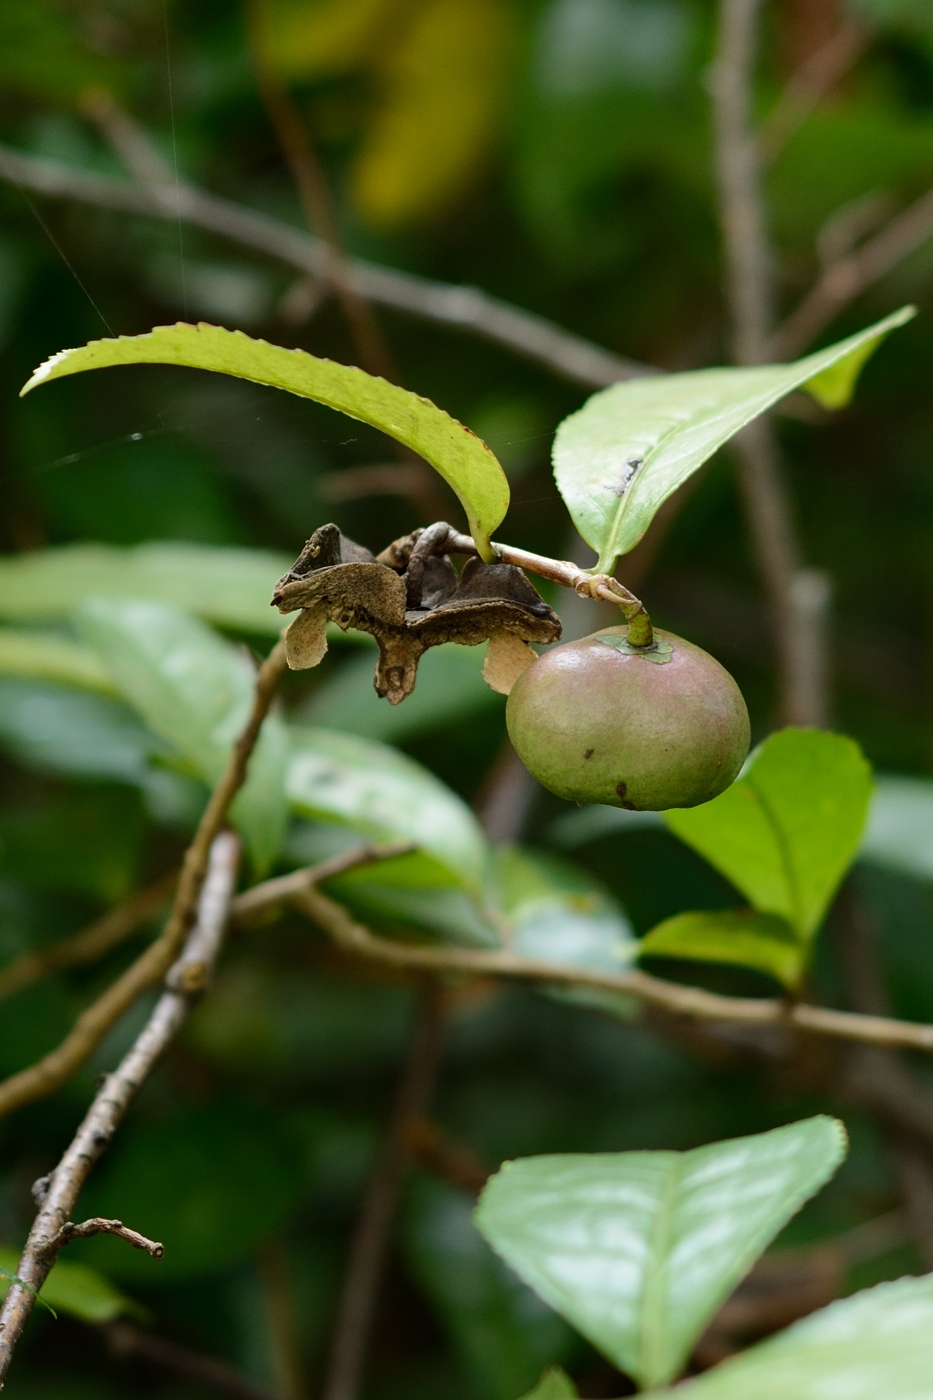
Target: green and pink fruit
pixel 598 721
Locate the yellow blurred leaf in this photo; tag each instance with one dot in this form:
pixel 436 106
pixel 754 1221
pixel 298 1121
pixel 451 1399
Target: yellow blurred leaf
pixel 316 38
pixel 442 87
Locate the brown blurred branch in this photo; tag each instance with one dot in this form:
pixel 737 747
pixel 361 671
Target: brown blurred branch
pixel 281 1321
pixel 57 1194
pixel 91 943
pixel 461 308
pixel 799 630
pixel 49 1073
pixel 848 278
pixel 126 1341
pixel 313 191
pixel 816 77
pixel 371 1239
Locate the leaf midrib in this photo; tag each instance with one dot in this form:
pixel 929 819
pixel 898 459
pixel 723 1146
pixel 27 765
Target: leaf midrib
pixel 654 1293
pixel 784 854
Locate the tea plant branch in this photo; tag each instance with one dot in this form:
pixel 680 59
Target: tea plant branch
pixel 54 1069
pixel 852 275
pixel 93 942
pixel 371 1239
pixel 282 888
pixel 57 1194
pixel 100 1226
pixel 692 1003
pixel 466 309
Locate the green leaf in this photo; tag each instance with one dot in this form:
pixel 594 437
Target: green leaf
pixel 630 446
pixel 739 936
pixel 231 587
pixel 900 826
pixel 45 656
pixel 450 688
pixel 554 1384
pixel 462 459
pixel 384 795
pixel 501 1329
pixel 195 690
pixel 786 831
pixel 58 730
pixel 76 1290
pixel 875 1345
pixel 639 1249
pixel 560 912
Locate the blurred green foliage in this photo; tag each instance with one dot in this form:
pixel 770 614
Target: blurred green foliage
pixel 556 153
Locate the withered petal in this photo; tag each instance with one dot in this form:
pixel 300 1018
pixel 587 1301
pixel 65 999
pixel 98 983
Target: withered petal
pixel 506 658
pixel 306 639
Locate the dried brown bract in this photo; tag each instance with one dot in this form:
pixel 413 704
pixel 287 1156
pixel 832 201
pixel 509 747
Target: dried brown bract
pixel 411 599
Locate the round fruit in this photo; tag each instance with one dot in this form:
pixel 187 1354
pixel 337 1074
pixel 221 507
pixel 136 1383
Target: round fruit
pixel 597 721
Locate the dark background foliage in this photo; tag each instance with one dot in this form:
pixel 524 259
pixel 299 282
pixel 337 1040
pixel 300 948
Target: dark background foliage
pixel 557 154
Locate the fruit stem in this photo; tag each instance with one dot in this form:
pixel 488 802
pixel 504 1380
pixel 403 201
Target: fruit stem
pixel 568 575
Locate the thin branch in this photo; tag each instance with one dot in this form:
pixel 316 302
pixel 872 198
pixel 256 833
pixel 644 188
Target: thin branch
pixel 126 1341
pixel 799 630
pixel 54 1069
pixel 810 84
pixel 99 938
pixel 281 1321
pixel 313 191
pixel 853 275
pixel 184 982
pixel 98 1225
pixel 462 308
pixel 368 1250
pixel 282 888
pixel 692 1003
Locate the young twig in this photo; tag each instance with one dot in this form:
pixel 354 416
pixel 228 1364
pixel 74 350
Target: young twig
pixel 848 278
pixel 49 1073
pixel 281 1321
pixel 91 943
pixel 373 1232
pixel 467 309
pixel 282 888
pixel 810 84
pixel 58 1193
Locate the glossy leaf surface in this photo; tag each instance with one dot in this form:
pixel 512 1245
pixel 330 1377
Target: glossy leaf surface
pixel 639 1249
pixel 383 794
pixel 876 1345
pixel 620 456
pixel 461 458
pixel 195 690
pixel 231 587
pixel 786 831
pixel 737 936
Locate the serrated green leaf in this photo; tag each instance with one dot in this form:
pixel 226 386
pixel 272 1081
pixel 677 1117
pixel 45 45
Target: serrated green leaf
pixel 231 587
pixel 44 656
pixel 639 1249
pixel 740 937
pixel 876 1345
pixel 501 1329
pixel 787 830
pixel 195 690
pixel 383 794
pixel 630 446
pixel 461 458
pixel 75 1290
